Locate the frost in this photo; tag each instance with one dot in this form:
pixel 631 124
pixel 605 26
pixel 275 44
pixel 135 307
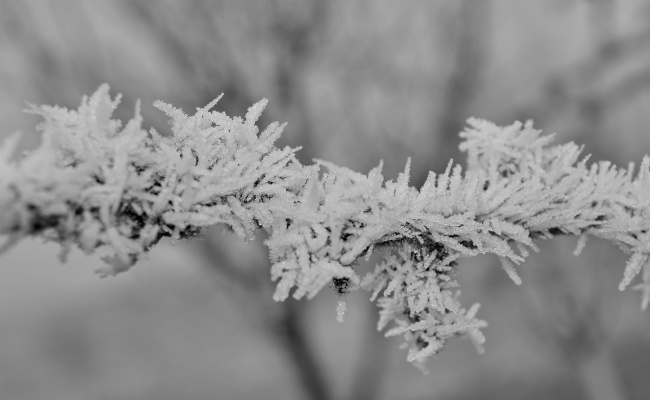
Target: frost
pixel 632 268
pixel 340 310
pixel 97 183
pixel 582 242
pixel 8 148
pixel 644 287
pixel 510 270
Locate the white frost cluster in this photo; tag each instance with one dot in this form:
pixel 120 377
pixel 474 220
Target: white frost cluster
pixel 94 183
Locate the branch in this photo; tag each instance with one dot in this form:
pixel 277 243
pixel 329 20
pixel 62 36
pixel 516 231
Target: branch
pixel 93 183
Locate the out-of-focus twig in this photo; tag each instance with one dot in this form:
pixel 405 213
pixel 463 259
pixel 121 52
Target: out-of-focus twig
pixel 463 83
pixel 307 367
pixel 586 88
pixel 371 364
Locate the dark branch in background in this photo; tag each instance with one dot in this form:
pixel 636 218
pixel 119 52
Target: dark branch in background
pixel 571 328
pixel 463 83
pixel 587 89
pixel 283 320
pixel 199 57
pixel 297 38
pixel 289 330
pixel 371 363
pixel 212 253
pixel 52 74
pixel 592 109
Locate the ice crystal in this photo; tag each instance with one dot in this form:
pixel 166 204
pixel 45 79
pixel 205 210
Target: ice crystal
pixel 95 183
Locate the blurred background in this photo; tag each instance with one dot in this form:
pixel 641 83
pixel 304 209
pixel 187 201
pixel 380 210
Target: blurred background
pixel 357 81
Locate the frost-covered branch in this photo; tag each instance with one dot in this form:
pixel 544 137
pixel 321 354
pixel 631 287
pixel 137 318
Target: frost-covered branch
pixel 93 183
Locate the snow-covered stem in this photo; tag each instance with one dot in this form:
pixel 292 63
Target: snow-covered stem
pixel 95 183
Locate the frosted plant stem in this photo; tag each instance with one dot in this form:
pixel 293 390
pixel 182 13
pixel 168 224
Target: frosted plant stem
pixel 599 378
pixel 97 183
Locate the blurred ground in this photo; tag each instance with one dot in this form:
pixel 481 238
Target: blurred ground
pixel 358 81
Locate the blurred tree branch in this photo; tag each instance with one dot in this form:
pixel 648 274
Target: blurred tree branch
pixel 587 88
pixel 283 320
pixel 463 83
